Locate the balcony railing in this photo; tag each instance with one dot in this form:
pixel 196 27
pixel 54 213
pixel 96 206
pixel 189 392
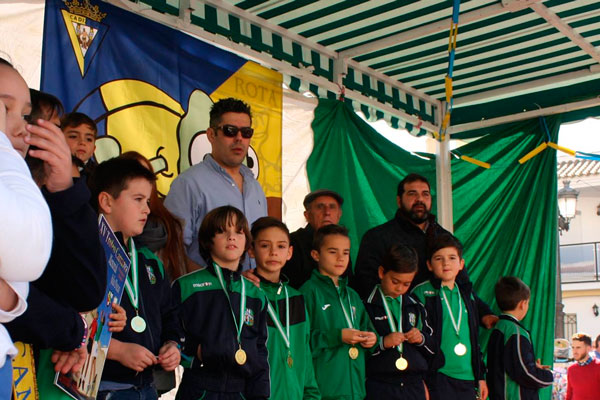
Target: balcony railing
pixel 580 262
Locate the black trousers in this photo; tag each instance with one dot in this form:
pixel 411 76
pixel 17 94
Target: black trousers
pixel 442 387
pixel 377 390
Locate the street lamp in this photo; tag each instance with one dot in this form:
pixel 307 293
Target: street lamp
pixel 567 202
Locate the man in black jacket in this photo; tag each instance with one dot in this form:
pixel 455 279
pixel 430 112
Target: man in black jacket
pixel 322 207
pixel 413 225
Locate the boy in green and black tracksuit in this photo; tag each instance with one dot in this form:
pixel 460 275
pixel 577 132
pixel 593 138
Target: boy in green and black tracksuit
pixel 513 372
pixel 398 366
pixel 208 323
pixel 290 358
pixel 457 370
pixel 341 332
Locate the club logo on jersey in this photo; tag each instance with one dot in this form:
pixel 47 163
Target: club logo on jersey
pixel 151 275
pixel 249 317
pixel 412 318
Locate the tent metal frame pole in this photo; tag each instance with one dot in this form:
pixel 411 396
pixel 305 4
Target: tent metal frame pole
pixel 443 174
pixel 578 105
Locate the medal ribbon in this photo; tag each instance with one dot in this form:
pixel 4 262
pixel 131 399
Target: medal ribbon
pixel 275 318
pixel 460 313
pixel 390 317
pixel 240 326
pixel 349 319
pixel 133 289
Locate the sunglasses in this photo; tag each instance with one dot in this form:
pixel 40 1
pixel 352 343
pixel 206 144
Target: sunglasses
pixel 232 131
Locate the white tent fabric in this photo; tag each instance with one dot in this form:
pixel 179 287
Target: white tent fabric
pixel 21 28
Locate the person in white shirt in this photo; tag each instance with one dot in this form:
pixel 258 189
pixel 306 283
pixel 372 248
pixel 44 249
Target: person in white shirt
pixel 26 234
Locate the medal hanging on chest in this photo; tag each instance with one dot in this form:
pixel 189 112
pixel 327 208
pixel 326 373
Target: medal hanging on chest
pixel 137 323
pixel 275 318
pixel 240 355
pixel 401 363
pixel 353 351
pixel 459 349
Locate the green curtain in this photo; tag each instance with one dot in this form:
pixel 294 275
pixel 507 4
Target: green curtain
pixel 506 216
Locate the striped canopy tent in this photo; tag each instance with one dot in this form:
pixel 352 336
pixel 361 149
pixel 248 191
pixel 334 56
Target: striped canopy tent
pixel 515 59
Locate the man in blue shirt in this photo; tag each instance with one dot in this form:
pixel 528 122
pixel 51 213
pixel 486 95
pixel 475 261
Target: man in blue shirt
pixel 221 178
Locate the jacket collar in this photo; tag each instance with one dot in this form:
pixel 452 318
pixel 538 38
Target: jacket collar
pixel 342 281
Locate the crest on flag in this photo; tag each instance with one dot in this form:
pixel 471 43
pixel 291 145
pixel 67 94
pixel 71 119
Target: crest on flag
pixel 85 30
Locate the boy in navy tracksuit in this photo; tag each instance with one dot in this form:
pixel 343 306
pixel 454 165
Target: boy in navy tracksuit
pixel 457 370
pixel 150 338
pixel 397 369
pixel 513 372
pixel 224 317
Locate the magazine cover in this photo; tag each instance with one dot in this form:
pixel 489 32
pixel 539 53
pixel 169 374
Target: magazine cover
pixel 84 384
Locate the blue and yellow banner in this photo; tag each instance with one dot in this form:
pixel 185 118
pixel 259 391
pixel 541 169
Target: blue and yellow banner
pixel 149 88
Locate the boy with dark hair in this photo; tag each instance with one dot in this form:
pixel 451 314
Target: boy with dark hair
pixel 122 190
pixel 290 358
pixel 513 372
pixel 457 370
pixel 583 377
pixel 398 366
pixel 80 132
pixel 224 317
pixel 338 319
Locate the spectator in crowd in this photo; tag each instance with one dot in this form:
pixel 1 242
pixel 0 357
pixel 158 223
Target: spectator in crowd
pixel 596 352
pixel 80 131
pixel 26 235
pixel 74 279
pixel 221 179
pixel 583 377
pixel 415 226
pixel 322 207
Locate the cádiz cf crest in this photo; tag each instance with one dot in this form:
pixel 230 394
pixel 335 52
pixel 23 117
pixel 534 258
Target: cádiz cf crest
pixel 83 24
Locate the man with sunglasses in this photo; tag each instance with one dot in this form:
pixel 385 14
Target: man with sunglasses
pixel 221 178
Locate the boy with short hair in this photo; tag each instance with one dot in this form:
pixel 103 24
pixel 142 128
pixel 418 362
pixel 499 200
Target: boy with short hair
pixel 151 337
pixel 397 368
pixel 290 358
pixel 341 332
pixel 583 376
pixel 513 372
pixel 80 132
pixel 457 370
pixel 224 317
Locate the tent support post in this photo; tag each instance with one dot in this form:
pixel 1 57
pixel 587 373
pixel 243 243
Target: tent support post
pixel 444 183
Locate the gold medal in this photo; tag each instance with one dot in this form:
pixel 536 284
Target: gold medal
pixel 240 356
pixel 401 363
pixel 353 352
pixel 290 360
pixel 460 349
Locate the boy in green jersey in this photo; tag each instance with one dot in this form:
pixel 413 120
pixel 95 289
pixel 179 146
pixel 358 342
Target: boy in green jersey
pixel 457 370
pixel 290 359
pixel 341 331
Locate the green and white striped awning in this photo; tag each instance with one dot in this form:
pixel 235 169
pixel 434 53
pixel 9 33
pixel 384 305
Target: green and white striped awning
pixel 391 57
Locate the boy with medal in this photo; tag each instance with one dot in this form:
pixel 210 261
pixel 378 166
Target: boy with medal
pixel 290 358
pixel 457 370
pixel 151 337
pixel 397 368
pixel 341 332
pixel 224 317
